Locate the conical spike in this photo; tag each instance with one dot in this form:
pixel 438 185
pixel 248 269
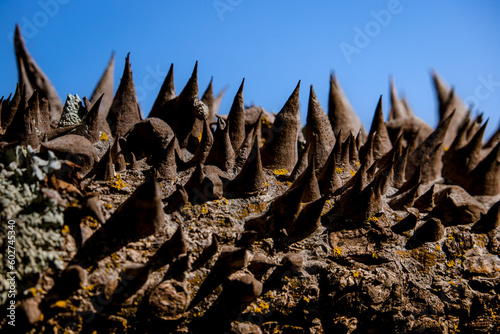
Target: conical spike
pixel 185 112
pixel 329 180
pixel 311 191
pixel 22 128
pixel 217 102
pixel 301 164
pixel 133 162
pixel 251 179
pixel 411 182
pixel 458 163
pixel 222 154
pixel 178 199
pixel 495 139
pixel 124 111
pixel 208 252
pixel 118 156
pixel 167 93
pixel 399 168
pixel 103 170
pixel 432 165
pixel 361 179
pixel 203 149
pixel 381 142
pixel 398 110
pixel 428 146
pixel 280 150
pixel 309 219
pixel 340 111
pixel 166 167
pixel 318 123
pixel 406 199
pixel 91 121
pixel 288 204
pixel 442 90
pixel 353 153
pixel 484 180
pixel 366 152
pixel 425 203
pixel 208 99
pixel 407 224
pixel 490 221
pixel 105 86
pixel 245 148
pixel 344 157
pixel 236 119
pixel 10 112
pixel 37 79
pixel 139 216
pixel 44 116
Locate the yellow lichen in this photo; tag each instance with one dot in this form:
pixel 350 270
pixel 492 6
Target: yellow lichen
pixel 352 172
pixel 373 219
pixel 337 251
pixel 280 171
pixel 65 229
pixel 450 263
pixel 109 206
pixel 339 170
pixel 307 300
pixel 117 182
pixel 355 274
pixel 375 256
pixel 204 209
pixel 59 303
pixel 103 136
pixel 438 248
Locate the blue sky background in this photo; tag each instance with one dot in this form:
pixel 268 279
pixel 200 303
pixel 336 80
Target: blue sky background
pixel 272 44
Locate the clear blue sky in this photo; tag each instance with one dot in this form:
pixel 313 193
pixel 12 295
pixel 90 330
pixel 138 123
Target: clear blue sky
pixel 272 44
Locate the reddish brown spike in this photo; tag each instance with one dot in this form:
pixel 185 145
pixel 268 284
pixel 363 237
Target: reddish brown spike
pixel 319 130
pixel 236 119
pixel 166 167
pixel 381 141
pixel 425 203
pixel 167 93
pixel 340 111
pixel 406 199
pixel 398 110
pixel 484 180
pixel 280 150
pixel 428 146
pixel 11 110
pixel 251 179
pixel 118 156
pixel 399 168
pixel 203 149
pixel 311 190
pixel 124 111
pixel 494 139
pixel 222 154
pixel 329 180
pixel 489 221
pixel 104 169
pixel 217 102
pixel 105 86
pixel 245 148
pixel 458 163
pixel 301 164
pixel 308 220
pixel 208 99
pixel 432 165
pixel 91 121
pixel 33 77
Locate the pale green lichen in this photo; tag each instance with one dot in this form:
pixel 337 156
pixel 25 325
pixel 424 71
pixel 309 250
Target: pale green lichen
pixel 73 111
pixel 38 219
